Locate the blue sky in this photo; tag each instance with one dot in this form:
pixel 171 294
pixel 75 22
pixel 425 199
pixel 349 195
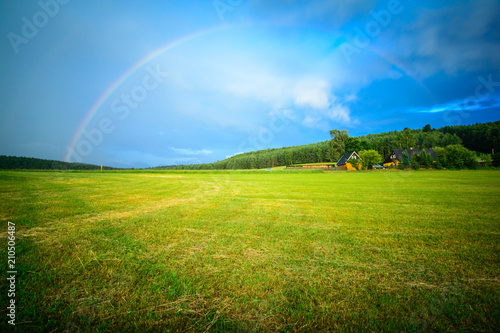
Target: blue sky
pixel 147 83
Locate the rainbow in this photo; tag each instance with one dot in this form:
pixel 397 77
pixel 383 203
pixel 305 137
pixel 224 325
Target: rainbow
pixel 139 64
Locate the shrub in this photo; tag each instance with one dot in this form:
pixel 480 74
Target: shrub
pixel 423 159
pixel 496 160
pixel 415 165
pixel 405 158
pixel 440 155
pixel 430 161
pixel 415 157
pixel 458 157
pixel 354 163
pixel 486 158
pixel 369 158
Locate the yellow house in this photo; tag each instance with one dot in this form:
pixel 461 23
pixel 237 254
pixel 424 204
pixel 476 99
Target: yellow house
pixel 343 160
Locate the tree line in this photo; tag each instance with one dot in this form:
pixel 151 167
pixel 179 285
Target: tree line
pixel 479 137
pixel 27 163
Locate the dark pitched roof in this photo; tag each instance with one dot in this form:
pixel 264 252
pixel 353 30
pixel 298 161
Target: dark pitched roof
pixel 399 153
pixel 344 158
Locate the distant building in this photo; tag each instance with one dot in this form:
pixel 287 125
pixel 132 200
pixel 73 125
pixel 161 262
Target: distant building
pixel 397 155
pixel 343 160
pixel 318 166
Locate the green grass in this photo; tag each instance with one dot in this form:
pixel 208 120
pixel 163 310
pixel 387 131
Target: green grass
pixel 254 251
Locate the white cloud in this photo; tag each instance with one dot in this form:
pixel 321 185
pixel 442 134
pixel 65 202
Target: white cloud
pixel 242 90
pixel 310 121
pixel 261 86
pixel 340 113
pixel 460 106
pixel 183 151
pixel 311 97
pixel 282 91
pixel 312 93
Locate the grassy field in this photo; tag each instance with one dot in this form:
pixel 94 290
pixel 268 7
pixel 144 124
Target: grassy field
pixel 254 251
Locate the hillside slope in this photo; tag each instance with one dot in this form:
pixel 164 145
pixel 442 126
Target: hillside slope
pixel 478 137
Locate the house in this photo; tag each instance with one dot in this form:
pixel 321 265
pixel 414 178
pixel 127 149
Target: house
pixel 343 160
pixel 397 155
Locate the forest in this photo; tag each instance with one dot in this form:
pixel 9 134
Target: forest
pixel 481 138
pixel 30 163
